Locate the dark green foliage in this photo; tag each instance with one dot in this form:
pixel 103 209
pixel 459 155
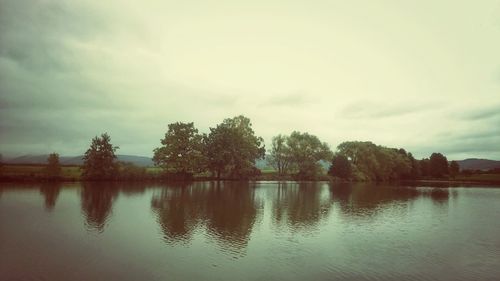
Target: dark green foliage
pixel 53 168
pixel 415 167
pixel 182 150
pixel 454 168
pixel 425 167
pixel 376 163
pixel 341 167
pixel 438 165
pixel 232 148
pixel 304 152
pixel 280 154
pixel 99 159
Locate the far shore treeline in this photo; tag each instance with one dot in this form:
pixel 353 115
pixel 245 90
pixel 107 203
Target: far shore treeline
pixel 230 151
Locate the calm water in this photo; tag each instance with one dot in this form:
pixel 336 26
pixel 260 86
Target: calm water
pixel 248 231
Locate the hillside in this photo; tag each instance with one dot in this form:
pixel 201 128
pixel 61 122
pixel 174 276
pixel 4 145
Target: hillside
pixel 478 164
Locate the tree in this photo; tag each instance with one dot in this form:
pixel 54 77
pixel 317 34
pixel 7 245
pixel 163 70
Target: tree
pixel 363 157
pixel 99 159
pixel 454 168
pixel 415 167
pixel 373 162
pixel 182 150
pixel 341 167
pixel 438 165
pixel 280 154
pixel 232 148
pixel 305 151
pixel 53 166
pixel 424 167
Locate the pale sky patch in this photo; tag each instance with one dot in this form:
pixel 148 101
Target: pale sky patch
pixel 421 75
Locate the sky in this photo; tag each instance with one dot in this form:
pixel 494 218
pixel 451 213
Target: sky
pixel 422 75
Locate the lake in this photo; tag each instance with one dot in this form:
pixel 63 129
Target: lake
pixel 248 231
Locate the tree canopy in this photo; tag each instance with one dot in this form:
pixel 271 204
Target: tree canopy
pixel 438 165
pixel 232 148
pixel 299 153
pixel 279 157
pixel 182 149
pixel 372 162
pixel 454 168
pixel 53 166
pixel 341 167
pixel 99 159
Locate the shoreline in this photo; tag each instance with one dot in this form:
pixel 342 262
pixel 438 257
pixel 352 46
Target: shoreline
pixel 443 182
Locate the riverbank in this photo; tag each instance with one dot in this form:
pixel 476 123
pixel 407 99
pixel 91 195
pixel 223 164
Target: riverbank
pixel 72 173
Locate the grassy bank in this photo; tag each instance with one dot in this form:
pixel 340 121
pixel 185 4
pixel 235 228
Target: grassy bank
pixel 34 172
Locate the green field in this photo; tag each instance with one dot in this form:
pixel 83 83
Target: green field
pixel 67 172
pixel 153 170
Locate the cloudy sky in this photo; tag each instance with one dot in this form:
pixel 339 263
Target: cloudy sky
pixel 423 75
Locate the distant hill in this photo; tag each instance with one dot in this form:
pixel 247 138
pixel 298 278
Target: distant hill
pixel 77 160
pixel 478 164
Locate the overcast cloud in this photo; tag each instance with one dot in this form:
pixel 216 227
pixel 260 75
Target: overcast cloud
pixel 423 75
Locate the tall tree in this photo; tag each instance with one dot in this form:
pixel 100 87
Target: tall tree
pixel 232 148
pixel 341 167
pixel 415 167
pixel 438 165
pixel 99 159
pixel 454 168
pixel 280 154
pixel 182 150
pixel 53 165
pixel 305 151
pixel 424 167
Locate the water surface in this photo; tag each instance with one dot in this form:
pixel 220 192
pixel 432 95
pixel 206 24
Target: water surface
pixel 248 231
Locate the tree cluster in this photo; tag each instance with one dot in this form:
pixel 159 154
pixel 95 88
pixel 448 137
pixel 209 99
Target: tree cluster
pixel 299 153
pixel 370 162
pixel 366 161
pixel 229 150
pixel 437 166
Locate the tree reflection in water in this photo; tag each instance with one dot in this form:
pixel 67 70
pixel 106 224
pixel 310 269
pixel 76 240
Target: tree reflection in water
pixel 97 202
pixel 299 206
pixel 50 192
pixel 366 200
pixel 227 210
pixel 231 212
pixel 176 210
